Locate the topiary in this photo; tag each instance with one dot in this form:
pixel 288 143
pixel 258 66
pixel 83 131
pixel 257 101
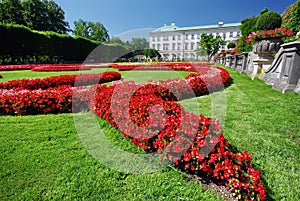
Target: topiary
pixel 268 20
pixel 231 45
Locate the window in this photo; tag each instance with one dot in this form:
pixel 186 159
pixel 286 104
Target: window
pixel 231 34
pixel 186 36
pixel 174 38
pixel 178 46
pixel 165 46
pixel 193 37
pixel 158 46
pixel 158 38
pixel 173 46
pixel 186 45
pixel 165 38
pixel 178 37
pixel 153 39
pixel 153 46
pixel 192 46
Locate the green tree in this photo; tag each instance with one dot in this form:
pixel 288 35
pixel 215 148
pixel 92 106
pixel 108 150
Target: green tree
pixel 94 31
pixel 139 43
pixel 294 22
pixel 209 45
pixel 268 20
pixel 247 26
pixel 56 18
pixel 118 41
pixel 11 12
pixel 151 53
pixel 40 15
pixel 35 14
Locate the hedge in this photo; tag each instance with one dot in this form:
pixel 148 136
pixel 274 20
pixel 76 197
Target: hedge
pixel 19 44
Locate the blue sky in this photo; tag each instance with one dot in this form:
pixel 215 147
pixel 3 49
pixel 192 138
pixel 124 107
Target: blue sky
pixel 119 16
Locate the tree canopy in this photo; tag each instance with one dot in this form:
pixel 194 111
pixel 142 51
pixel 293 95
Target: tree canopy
pixel 138 43
pixel 94 31
pixel 209 45
pixel 42 15
pixel 291 17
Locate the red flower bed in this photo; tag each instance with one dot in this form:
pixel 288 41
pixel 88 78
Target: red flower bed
pixel 183 66
pixel 59 67
pixel 15 67
pixel 32 102
pixel 55 81
pixel 149 117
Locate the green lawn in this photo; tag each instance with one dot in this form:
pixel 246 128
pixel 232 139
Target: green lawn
pixel 42 157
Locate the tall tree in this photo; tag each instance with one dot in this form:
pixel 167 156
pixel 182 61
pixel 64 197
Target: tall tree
pixel 35 14
pixel 209 45
pixel 94 31
pixel 40 15
pixel 56 18
pixel 118 41
pixel 138 43
pixel 11 12
pixel 44 15
pixel 247 26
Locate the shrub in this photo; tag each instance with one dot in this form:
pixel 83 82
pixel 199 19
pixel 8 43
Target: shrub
pixel 231 45
pixel 248 25
pixel 269 20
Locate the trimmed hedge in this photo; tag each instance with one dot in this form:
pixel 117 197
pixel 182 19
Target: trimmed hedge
pixel 19 44
pixel 269 20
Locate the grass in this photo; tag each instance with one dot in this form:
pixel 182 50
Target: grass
pixel 13 75
pixel 265 123
pixel 138 76
pixel 42 157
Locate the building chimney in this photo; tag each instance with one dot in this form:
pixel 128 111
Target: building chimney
pixel 173 24
pixel 221 23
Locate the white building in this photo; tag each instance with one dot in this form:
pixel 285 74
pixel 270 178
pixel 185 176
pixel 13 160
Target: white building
pixel 175 42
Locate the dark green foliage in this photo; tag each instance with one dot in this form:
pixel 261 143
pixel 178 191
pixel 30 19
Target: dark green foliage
pixel 247 26
pixel 19 44
pixel 42 15
pixel 294 21
pixel 231 45
pixel 94 31
pixel 268 20
pixel 148 52
pixel 209 45
pixel 11 12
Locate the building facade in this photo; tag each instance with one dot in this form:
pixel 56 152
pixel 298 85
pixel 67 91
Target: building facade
pixel 175 42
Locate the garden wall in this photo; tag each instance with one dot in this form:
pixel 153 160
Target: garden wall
pixel 283 74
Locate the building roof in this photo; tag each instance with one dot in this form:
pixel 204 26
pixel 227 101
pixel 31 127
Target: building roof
pixel 173 27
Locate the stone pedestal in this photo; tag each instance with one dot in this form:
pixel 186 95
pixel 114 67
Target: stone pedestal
pixel 290 70
pixel 264 48
pixel 260 66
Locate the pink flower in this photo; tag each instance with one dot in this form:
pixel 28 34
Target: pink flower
pixel 278 32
